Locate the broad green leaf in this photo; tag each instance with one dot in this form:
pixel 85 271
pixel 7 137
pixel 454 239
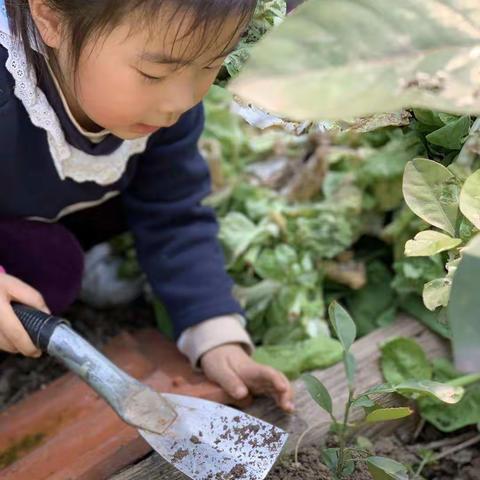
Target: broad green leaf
pixel 238 233
pixel 343 325
pixel 403 359
pixel 452 135
pixel 318 392
pixel 464 307
pixel 351 58
pixel 382 468
pixel 295 358
pixel 470 198
pixel 330 457
pixel 443 392
pixel 449 418
pixel 385 414
pixel 430 242
pixel 436 293
pixel 431 192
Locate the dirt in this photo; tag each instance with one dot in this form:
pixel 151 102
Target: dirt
pixel 20 376
pixel 463 464
pixel 310 467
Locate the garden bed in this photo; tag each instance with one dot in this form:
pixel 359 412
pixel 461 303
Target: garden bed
pixel 401 440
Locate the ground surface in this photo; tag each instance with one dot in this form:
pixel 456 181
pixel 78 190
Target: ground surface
pixel 463 464
pixel 19 376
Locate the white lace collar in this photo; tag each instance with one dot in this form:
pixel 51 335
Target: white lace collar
pixel 69 161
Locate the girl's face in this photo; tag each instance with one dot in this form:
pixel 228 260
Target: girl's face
pixel 133 83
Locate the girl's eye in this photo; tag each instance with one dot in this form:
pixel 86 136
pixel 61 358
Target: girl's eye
pixel 213 67
pixel 150 79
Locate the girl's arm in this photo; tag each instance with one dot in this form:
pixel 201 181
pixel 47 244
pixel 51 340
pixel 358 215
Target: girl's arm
pixel 176 237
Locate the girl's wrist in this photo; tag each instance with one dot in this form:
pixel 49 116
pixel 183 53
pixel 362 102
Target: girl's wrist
pixel 2 270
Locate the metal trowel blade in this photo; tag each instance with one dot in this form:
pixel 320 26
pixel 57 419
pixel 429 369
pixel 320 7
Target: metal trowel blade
pixel 209 441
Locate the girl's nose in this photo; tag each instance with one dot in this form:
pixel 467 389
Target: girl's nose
pixel 180 98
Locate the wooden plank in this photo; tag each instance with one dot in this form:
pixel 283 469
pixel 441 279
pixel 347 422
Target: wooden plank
pixel 366 351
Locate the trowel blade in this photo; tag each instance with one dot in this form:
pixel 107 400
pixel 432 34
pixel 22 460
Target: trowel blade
pixel 209 441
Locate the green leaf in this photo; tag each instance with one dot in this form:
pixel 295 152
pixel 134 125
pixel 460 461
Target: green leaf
pixel 470 198
pixel 431 192
pixel 452 135
pixel 293 359
pixel 350 368
pixel 363 402
pixel 357 57
pixel 449 418
pixel 436 293
pixel 403 359
pixel 385 414
pixel 445 393
pixel 430 242
pixel 238 233
pixel 318 392
pixel 330 458
pixel 382 468
pixel 464 307
pixel 343 325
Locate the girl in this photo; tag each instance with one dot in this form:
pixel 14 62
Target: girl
pixel 100 111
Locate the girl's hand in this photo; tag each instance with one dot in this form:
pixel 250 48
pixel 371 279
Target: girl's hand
pixel 13 337
pixel 238 374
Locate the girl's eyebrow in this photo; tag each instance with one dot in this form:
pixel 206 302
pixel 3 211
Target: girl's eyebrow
pixel 160 57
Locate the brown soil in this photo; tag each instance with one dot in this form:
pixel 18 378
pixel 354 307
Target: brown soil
pixel 309 467
pixel 20 376
pixel 460 465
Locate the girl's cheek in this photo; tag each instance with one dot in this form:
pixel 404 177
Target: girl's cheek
pixel 114 104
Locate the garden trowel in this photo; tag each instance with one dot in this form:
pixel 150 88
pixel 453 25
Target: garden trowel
pixel 203 439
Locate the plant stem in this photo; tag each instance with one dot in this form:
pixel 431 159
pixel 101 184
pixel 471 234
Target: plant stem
pixel 465 380
pixel 343 435
pixel 468 443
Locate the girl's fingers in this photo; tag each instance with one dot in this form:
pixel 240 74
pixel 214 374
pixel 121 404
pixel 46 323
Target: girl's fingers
pixel 230 381
pixel 13 330
pixel 268 381
pixel 24 293
pixel 6 345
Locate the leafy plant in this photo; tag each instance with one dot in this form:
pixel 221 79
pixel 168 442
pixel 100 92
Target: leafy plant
pixel 360 57
pixel 342 460
pixel 402 359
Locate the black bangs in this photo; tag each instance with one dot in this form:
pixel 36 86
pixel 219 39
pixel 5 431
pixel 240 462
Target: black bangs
pixel 86 19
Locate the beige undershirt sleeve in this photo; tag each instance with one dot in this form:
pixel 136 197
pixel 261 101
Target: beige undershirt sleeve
pixel 199 339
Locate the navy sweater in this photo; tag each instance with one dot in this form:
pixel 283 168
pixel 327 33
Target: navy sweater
pixel 162 190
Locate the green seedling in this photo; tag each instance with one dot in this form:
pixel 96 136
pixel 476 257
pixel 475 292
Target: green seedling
pixel 343 460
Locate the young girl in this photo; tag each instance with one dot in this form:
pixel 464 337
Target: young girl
pixel 100 111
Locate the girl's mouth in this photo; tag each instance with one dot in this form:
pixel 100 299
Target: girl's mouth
pixel 144 128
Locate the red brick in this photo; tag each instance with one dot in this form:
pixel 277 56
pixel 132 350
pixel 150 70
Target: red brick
pixel 85 440
pixel 66 399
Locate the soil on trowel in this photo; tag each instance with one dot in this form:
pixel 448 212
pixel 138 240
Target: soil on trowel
pixel 20 376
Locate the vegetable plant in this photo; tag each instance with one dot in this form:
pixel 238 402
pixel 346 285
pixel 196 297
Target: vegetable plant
pixel 343 459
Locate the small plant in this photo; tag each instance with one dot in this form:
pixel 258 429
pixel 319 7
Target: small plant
pixel 343 459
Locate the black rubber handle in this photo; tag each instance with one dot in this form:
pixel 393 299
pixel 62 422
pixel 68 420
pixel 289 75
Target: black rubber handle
pixel 39 325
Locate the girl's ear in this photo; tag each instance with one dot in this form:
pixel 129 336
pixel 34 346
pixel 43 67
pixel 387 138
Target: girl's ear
pixel 48 23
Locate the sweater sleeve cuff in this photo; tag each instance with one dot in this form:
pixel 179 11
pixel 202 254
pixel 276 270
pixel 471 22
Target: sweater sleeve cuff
pixel 199 339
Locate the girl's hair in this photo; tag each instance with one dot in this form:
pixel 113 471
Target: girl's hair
pixel 85 19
